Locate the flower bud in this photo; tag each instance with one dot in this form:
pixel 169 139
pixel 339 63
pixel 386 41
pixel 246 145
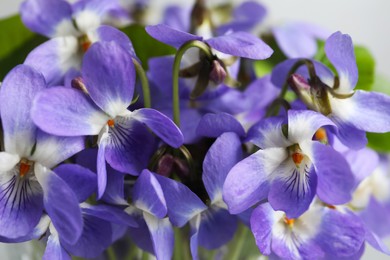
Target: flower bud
pixel 217 73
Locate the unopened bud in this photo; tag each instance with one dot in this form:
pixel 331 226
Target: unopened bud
pixel 165 165
pixel 217 73
pixel 78 83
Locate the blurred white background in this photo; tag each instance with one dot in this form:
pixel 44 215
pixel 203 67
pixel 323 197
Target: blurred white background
pixel 368 23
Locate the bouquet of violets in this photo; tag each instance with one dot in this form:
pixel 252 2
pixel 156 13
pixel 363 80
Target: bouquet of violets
pixel 195 137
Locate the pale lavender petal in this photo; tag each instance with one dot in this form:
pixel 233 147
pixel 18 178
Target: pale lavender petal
pixel 214 125
pixel 241 44
pixel 248 181
pixel 48 17
pixel 67 112
pixel 160 124
pixel 161 232
pixel 376 242
pixel 17 93
pixel 217 227
pixel 262 222
pixel 268 133
pixel 101 166
pixel 182 203
pixel 177 17
pixel 81 180
pixel 54 249
pixel 129 146
pixel 55 58
pixel 340 52
pixel 21 204
pixel 148 195
pixel 375 217
pixel 335 179
pixel 61 204
pixel 194 236
pixel 294 192
pixel 112 90
pixel 170 36
pixel 349 135
pixel 221 157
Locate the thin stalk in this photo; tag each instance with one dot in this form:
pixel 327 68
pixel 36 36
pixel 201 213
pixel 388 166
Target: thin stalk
pixel 144 83
pixel 235 250
pixel 176 68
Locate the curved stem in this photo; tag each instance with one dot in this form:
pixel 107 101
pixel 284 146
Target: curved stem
pixel 144 82
pixel 176 68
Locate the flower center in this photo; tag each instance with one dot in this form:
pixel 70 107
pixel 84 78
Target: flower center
pixel 85 43
pixel 24 167
pixel 289 222
pixel 111 123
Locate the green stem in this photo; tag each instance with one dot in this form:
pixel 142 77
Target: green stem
pixel 111 253
pixel 176 68
pixel 235 250
pixel 144 82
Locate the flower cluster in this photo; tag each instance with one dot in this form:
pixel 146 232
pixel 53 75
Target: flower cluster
pixel 106 153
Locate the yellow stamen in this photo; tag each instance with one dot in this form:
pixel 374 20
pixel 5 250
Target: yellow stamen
pixel 289 222
pixel 321 135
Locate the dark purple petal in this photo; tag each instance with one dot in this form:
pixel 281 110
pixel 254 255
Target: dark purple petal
pixel 161 232
pixel 130 146
pixel 182 203
pixel 160 124
pixel 339 50
pixel 248 181
pixel 109 213
pixel 362 114
pixel 148 195
pixel 81 180
pixel 111 89
pixel 55 58
pixel 335 179
pixel 341 233
pixel 61 204
pixel 170 36
pixel 54 249
pixel 95 238
pixel 294 41
pixel 17 93
pixel 221 157
pixel 246 16
pixel 241 44
pixel 214 125
pixel 194 236
pixel 141 237
pixel 262 222
pixel 294 193
pixel 67 112
pixel 114 193
pixel 217 227
pixel 48 17
pixel 21 204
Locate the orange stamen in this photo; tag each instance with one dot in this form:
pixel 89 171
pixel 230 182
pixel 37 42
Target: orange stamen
pixel 297 158
pixel 289 222
pixel 85 45
pixel 330 206
pixel 111 122
pixel 320 135
pixel 24 167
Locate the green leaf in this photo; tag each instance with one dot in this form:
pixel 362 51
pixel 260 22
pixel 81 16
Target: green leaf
pixel 366 67
pixel 16 41
pixel 144 45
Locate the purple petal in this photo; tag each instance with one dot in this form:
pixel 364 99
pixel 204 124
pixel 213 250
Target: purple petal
pixel 341 233
pixel 214 125
pixel 349 135
pixel 194 236
pixel 67 112
pixel 176 17
pixel 294 41
pixel 360 112
pixel 294 192
pixel 262 222
pixel 54 249
pixel 161 125
pixel 335 179
pixel 376 242
pixel 61 204
pixel 114 193
pixel 17 93
pixel 81 180
pixel 170 36
pixel 109 213
pixel 55 58
pixel 375 216
pixel 217 227
pixel 302 125
pixel 21 204
pixel 217 164
pixel 339 50
pixel 95 238
pixel 130 146
pixel 101 166
pixel 112 90
pixel 141 237
pixel 268 133
pixel 182 203
pixel 248 181
pixel 48 17
pixel 51 150
pixel 161 232
pixel 241 44
pixel 148 195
